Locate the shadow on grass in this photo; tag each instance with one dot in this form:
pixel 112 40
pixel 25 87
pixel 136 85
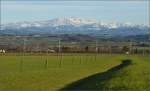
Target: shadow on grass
pixel 96 81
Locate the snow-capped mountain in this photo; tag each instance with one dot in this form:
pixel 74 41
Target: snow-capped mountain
pixel 73 26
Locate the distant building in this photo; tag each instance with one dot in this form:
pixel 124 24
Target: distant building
pixel 2 51
pixel 51 51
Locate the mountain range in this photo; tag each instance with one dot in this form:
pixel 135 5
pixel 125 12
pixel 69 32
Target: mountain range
pixel 73 26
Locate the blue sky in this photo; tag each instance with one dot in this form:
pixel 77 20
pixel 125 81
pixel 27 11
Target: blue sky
pixel 136 12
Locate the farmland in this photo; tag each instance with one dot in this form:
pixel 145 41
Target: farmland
pixel 48 72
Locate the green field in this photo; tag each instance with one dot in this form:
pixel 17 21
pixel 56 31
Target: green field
pixel 74 72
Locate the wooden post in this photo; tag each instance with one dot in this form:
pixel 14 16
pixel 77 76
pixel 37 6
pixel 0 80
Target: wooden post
pixel 22 58
pixel 46 64
pixel 130 47
pixel 80 59
pixel 60 60
pixel 60 63
pixel 110 51
pixel 96 49
pixel 21 64
pixel 72 58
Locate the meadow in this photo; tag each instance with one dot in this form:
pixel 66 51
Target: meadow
pixel 53 72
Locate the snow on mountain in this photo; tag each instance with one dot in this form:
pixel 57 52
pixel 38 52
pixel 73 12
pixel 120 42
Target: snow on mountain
pixel 73 25
pixel 63 21
pixel 72 21
pixel 59 22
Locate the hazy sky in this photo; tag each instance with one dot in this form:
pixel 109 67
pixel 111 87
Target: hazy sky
pixel 136 12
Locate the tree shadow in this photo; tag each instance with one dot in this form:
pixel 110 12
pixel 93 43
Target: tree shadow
pixel 96 81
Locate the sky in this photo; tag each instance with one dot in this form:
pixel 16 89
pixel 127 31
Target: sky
pixel 135 12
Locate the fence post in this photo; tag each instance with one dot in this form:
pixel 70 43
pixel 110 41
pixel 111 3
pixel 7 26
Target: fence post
pixel 80 59
pixel 60 63
pixel 46 64
pixel 21 64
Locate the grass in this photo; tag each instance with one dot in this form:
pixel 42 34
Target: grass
pixel 48 73
pixel 96 81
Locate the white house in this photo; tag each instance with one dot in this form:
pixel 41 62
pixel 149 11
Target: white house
pixel 51 51
pixel 2 51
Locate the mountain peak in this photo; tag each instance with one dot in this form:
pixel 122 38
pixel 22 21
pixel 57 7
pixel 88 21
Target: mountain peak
pixel 73 25
pixel 72 21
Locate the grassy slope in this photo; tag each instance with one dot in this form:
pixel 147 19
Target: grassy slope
pixel 36 77
pixel 134 77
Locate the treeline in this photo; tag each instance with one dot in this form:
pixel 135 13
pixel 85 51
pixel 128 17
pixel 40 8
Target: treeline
pixel 75 49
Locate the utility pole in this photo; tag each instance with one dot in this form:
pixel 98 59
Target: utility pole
pixel 23 54
pixel 46 61
pixel 130 47
pixel 110 50
pixel 96 49
pixel 59 45
pixel 143 48
pixel 40 50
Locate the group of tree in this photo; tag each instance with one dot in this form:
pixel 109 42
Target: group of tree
pixel 74 49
